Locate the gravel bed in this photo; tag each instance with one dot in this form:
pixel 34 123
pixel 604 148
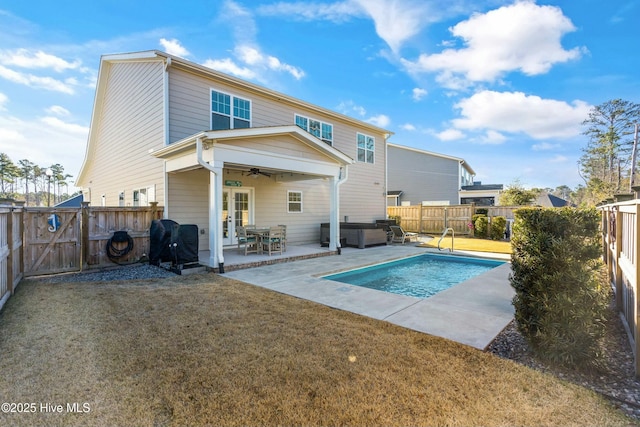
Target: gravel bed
pixel 616 382
pixel 125 272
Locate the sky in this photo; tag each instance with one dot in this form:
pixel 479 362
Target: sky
pixel 505 85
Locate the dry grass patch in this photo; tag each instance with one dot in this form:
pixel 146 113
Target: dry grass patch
pixel 206 350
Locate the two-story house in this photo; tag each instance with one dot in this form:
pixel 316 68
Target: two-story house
pixel 218 152
pixel 422 177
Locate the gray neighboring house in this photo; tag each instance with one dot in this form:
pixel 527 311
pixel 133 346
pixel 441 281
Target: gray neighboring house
pixel 417 177
pixel 550 201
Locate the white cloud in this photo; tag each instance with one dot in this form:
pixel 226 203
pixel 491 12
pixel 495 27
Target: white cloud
pixel 58 111
pixel 350 108
pixel 418 93
pixel 249 61
pixel 227 65
pixel 37 82
pixel 309 11
pixel 68 128
pixel 398 20
pixel 521 37
pixel 544 146
pixel 3 100
pixel 44 141
pixel 23 58
pixel 559 159
pixel 408 126
pixel 380 120
pixel 493 137
pixel 255 63
pixel 450 135
pixel 173 47
pixel 395 21
pixel 516 112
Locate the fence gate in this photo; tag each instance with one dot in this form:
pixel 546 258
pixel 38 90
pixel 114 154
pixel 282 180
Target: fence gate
pixel 52 240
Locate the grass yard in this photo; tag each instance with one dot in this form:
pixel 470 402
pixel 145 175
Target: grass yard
pixel 206 350
pixel 470 244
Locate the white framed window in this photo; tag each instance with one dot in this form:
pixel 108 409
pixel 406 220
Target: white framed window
pixel 229 111
pixel 143 196
pixel 121 199
pixel 366 148
pixel 317 128
pixel 294 201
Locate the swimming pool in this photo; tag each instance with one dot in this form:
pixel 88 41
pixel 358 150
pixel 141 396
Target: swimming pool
pixel 419 276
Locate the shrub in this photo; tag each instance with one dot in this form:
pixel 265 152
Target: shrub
pixel 561 298
pixel 498 227
pixel 480 226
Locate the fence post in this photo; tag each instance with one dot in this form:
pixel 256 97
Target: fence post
pixel 154 210
pixel 84 235
pixel 420 223
pixel 10 255
pixel 618 230
pixel 636 309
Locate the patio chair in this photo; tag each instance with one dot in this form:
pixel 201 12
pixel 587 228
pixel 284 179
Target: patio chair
pixel 250 243
pixel 401 236
pixel 271 242
pixel 284 237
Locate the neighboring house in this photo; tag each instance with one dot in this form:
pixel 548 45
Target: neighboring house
pixel 547 200
pixel 219 152
pixel 481 194
pixel 72 202
pixel 417 177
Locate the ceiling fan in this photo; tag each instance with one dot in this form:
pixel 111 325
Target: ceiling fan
pixel 254 172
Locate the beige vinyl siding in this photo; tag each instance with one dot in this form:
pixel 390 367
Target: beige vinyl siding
pixel 271 205
pixel 422 176
pixel 189 196
pixel 131 124
pixel 363 196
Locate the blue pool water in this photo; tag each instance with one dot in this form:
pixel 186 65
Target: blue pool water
pixel 420 276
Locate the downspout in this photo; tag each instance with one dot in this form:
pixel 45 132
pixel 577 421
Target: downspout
pixel 217 219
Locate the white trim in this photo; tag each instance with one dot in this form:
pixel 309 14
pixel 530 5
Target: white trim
pixel 231 134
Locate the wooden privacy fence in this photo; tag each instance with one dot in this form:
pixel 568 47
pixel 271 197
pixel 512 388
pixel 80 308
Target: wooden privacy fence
pixel 434 219
pixel 36 241
pixel 620 252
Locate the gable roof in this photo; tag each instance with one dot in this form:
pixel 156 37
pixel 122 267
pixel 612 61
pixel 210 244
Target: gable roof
pixel 174 61
pixel 462 161
pixel 551 201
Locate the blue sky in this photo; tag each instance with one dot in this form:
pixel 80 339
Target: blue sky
pixel 505 85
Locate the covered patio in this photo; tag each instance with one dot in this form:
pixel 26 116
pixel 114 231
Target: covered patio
pixel 235 259
pixel 207 172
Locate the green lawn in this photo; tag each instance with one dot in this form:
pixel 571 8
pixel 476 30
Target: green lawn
pixel 471 244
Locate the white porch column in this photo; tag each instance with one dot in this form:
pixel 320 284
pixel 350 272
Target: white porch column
pixel 334 214
pixel 216 256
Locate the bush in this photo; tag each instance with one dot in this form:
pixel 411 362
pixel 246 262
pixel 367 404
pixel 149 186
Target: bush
pixel 498 227
pixel 480 226
pixel 561 298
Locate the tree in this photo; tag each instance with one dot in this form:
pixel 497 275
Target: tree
pixel 8 174
pixel 26 173
pixel 516 195
pixel 606 161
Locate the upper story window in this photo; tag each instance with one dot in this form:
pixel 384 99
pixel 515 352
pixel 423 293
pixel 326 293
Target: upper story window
pixel 320 130
pixel 366 148
pixel 229 112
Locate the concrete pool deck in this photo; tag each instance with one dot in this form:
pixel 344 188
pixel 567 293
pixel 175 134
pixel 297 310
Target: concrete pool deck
pixel 472 312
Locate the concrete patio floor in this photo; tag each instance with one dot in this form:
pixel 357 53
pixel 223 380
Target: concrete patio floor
pixel 473 312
